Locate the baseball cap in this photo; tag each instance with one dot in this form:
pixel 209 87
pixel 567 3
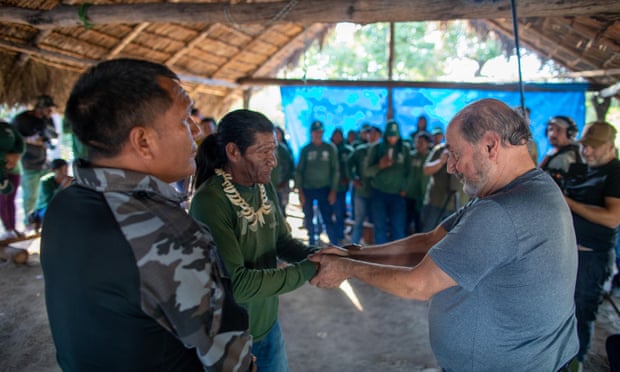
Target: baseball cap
pixel 365 127
pixel 44 101
pixel 316 126
pixel 437 131
pixel 598 133
pixel 57 163
pixel 391 129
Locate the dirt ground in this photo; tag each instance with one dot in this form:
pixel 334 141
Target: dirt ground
pixel 324 329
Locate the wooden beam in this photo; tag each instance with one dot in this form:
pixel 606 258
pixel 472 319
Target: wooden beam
pixel 22 48
pixel 406 84
pixel 307 11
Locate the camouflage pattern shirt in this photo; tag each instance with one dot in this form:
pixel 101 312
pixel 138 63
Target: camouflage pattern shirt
pixel 182 289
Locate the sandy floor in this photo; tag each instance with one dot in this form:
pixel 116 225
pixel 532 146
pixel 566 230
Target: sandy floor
pixel 325 330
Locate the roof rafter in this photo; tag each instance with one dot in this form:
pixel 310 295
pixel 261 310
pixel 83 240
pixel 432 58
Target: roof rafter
pixel 309 11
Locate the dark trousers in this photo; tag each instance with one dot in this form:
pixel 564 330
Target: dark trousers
pixel 326 210
pixel 593 270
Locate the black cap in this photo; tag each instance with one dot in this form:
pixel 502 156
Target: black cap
pixel 44 101
pixel 57 163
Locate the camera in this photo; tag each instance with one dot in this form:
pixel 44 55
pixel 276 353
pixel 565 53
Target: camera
pixel 568 180
pixel 47 134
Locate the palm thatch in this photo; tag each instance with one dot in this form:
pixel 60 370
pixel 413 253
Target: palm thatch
pixel 218 47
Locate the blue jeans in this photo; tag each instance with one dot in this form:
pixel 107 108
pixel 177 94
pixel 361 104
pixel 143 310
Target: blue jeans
pixel 320 195
pixel 593 270
pixel 340 211
pixel 362 210
pixel 386 207
pixel 270 351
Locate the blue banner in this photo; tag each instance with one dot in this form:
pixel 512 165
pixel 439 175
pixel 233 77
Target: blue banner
pixel 348 108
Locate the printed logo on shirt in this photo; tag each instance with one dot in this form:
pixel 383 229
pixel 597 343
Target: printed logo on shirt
pixel 325 155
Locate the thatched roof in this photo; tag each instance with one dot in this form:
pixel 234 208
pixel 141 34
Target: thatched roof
pixel 214 45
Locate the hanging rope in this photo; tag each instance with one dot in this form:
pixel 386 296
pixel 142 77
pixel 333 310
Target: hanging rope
pixel 515 29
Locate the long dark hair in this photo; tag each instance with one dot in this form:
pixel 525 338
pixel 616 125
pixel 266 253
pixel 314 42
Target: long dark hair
pixel 239 127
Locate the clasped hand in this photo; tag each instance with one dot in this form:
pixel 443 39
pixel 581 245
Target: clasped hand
pixel 332 267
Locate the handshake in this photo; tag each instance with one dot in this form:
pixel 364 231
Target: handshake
pixel 333 265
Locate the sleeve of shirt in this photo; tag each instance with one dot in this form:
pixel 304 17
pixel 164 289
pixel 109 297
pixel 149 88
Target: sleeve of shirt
pixel 188 296
pixel 406 168
pixel 372 162
pixel 481 240
pixel 612 188
pixel 248 283
pixel 299 172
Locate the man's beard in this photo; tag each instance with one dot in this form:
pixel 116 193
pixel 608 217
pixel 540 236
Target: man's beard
pixel 473 187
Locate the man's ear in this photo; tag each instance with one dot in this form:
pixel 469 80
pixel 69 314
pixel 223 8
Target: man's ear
pixel 492 142
pixel 141 141
pixel 232 152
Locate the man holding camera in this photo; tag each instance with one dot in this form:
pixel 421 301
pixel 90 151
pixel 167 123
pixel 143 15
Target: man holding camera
pixel 37 128
pixel 594 199
pixel 561 132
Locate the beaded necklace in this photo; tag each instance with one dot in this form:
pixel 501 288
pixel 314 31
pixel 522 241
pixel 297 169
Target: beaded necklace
pixel 250 216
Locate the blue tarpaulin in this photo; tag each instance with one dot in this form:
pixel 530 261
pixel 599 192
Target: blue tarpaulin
pixel 348 108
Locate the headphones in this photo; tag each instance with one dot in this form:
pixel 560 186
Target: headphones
pixel 571 130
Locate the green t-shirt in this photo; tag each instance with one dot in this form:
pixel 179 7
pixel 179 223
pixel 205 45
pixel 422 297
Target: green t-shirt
pixel 47 189
pixel 344 151
pixel 318 167
pixel 393 179
pixel 251 253
pixel 356 165
pixel 417 180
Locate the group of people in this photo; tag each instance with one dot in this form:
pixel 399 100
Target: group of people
pixel 396 184
pixel 24 162
pixel 142 285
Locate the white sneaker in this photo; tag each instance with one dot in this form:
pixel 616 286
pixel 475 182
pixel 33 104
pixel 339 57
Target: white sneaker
pixel 8 235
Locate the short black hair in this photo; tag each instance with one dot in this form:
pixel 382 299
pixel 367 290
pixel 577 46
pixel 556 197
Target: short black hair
pixel 113 97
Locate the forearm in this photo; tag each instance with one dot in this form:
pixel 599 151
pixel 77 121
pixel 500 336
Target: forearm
pixel 412 244
pixel 432 167
pixel 602 215
pixel 405 282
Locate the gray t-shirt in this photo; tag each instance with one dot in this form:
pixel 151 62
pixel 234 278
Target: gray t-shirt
pixel 514 258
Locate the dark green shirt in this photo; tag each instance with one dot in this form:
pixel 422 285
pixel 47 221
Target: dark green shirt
pixel 318 167
pixel 250 252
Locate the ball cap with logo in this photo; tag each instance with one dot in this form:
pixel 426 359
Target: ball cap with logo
pixel 316 126
pixel 391 129
pixel 597 134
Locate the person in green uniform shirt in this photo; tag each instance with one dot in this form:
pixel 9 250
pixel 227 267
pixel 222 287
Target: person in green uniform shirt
pixel 317 178
pixel 235 198
pixel 388 164
pixel 340 206
pixel 417 181
pixel 49 186
pixel 361 184
pixel 284 171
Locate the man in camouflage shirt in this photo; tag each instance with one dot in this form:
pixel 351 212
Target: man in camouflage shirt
pixel 138 284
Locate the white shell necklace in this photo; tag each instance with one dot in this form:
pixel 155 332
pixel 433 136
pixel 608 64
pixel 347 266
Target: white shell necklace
pixel 251 218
